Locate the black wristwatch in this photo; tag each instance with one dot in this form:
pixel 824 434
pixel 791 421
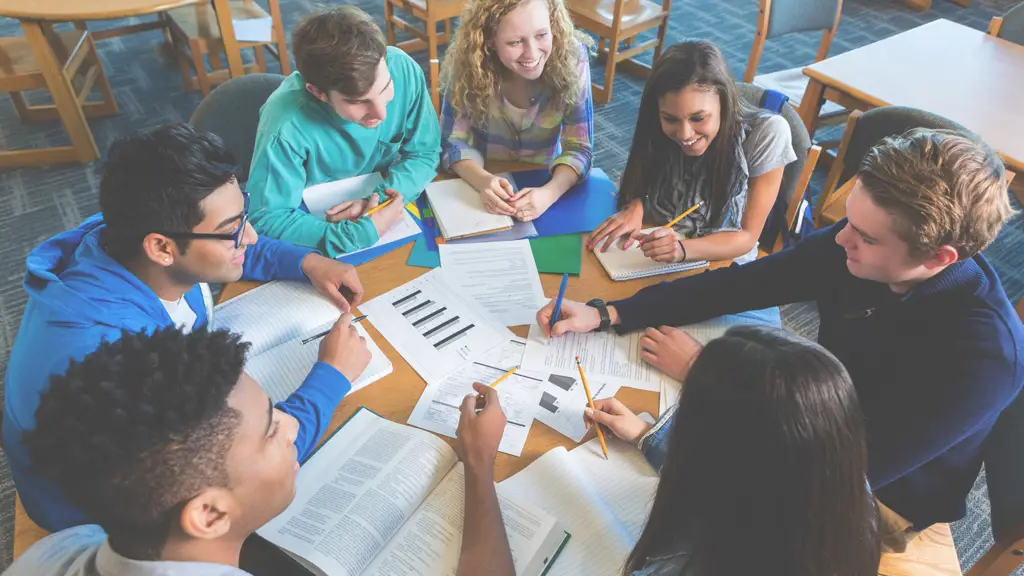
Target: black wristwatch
pixel 602 309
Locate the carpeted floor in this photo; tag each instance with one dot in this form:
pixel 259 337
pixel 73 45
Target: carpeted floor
pixel 37 203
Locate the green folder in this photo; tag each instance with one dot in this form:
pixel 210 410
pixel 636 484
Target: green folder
pixel 554 254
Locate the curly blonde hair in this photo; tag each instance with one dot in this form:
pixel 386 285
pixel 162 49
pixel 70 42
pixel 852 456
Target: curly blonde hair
pixel 471 67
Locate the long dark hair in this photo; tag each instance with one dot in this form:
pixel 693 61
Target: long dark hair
pixel 766 464
pixel 684 64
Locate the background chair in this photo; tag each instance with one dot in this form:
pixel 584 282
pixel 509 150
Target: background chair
pixel 431 12
pixel 864 130
pixel 232 111
pixel 796 175
pixel 621 21
pixel 196 31
pixel 778 18
pixel 1010 26
pixel 70 71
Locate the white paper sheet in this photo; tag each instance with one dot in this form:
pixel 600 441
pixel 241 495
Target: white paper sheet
pixel 459 210
pixel 562 402
pixel 329 194
pixel 438 406
pixel 602 503
pixel 435 329
pixel 405 227
pixel 606 357
pixel 501 276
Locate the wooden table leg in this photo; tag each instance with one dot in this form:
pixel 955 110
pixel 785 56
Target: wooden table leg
pixel 227 34
pixel 64 98
pixel 810 105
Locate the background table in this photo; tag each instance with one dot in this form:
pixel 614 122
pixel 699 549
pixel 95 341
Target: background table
pixel 941 67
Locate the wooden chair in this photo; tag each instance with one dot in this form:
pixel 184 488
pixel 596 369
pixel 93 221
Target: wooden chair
pixel 70 70
pixel 797 174
pixel 864 130
pixel 197 31
pixel 620 22
pixel 777 18
pixel 1009 26
pixel 431 12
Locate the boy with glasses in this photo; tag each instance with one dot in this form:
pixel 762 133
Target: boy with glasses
pixel 173 219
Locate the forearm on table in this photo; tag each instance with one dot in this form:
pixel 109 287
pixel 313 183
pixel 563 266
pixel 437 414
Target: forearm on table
pixel 485 549
pixel 472 172
pixel 563 178
pixel 719 246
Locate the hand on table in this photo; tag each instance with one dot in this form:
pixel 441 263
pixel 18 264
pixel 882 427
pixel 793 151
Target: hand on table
pixel 625 222
pixel 350 209
pixel 529 203
pixel 481 426
pixel 332 278
pixel 344 349
pixel 497 196
pixel 616 418
pixel 573 317
pixel 661 245
pixel 389 215
pixel 670 350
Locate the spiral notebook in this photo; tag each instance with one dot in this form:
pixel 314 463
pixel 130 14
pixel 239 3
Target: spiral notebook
pixel 631 263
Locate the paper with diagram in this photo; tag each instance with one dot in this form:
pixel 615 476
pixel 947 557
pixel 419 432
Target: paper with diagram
pixel 435 329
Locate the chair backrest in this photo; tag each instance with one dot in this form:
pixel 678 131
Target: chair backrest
pixel 1012 27
pixel 787 16
pixel 1004 471
pixel 801 144
pixel 232 111
pixel 879 123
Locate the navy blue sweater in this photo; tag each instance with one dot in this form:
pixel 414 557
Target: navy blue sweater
pixel 933 368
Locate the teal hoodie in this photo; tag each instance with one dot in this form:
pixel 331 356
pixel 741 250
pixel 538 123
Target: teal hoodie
pixel 302 142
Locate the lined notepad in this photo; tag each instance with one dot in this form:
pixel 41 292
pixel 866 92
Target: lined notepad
pixel 631 263
pixel 275 318
pixel 459 210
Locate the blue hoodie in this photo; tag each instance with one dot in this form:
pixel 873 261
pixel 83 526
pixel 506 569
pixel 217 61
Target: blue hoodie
pixel 80 296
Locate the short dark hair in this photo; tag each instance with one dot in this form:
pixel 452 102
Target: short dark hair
pixel 137 428
pixel 155 180
pixel 339 48
pixel 767 448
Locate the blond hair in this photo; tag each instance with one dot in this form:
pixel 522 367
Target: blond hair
pixel 941 187
pixel 471 67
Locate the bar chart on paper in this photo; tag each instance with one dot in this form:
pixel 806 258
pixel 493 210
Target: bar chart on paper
pixel 434 329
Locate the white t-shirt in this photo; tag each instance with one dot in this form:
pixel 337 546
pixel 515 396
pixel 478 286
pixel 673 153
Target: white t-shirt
pixel 183 316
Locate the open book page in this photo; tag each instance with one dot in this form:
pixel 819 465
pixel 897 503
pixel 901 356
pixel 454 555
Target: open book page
pixel 606 357
pixel 438 408
pixel 274 313
pixel 356 491
pixel 280 370
pixel 603 504
pixel 430 542
pixel 459 210
pixel 320 197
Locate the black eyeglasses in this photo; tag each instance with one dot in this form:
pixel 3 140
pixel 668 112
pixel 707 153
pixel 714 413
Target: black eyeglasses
pixel 236 236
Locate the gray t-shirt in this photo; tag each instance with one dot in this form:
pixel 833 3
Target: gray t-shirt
pixel 84 551
pixel 766 144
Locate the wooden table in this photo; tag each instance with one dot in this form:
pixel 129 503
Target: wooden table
pixel 941 67
pixel 37 19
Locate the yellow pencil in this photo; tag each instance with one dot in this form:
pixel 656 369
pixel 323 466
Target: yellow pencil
pixel 590 399
pixel 503 376
pixel 389 200
pixel 683 215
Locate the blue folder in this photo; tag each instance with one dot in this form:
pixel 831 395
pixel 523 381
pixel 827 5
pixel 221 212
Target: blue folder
pixel 584 207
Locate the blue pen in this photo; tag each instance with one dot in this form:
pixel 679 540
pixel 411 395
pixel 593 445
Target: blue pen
pixel 558 305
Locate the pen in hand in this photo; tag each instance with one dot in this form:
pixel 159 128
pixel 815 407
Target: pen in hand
pixel 316 337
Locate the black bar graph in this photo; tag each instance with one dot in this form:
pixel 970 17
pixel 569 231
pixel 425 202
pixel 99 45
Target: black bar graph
pixel 430 316
pixel 440 326
pixel 402 300
pixel 455 336
pixel 417 308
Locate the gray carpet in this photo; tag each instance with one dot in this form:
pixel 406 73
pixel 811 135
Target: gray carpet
pixel 37 203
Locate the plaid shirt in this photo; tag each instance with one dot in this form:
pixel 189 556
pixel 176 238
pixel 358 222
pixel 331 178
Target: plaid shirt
pixel 551 134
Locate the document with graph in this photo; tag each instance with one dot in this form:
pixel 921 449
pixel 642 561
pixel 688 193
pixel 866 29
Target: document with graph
pixel 436 330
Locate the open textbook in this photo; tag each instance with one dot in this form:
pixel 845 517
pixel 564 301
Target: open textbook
pixel 630 263
pixel 380 498
pixel 602 503
pixel 278 319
